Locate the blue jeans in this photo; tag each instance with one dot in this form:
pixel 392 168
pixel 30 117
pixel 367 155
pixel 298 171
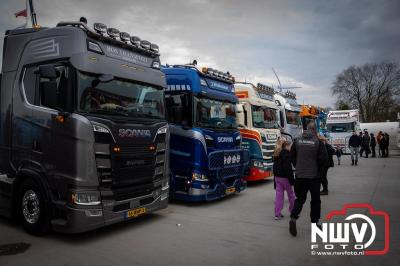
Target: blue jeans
pixel 354 152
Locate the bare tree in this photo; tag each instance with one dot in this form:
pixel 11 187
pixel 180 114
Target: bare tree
pixel 371 88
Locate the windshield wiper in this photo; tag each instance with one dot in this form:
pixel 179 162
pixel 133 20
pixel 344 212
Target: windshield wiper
pixel 108 112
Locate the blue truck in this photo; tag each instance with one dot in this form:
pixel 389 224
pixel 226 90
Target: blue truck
pixel 206 158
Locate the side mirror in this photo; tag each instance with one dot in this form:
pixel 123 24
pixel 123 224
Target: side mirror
pixel 47 71
pixel 104 78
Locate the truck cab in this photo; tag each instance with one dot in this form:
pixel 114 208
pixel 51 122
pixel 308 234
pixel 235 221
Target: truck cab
pixel 207 161
pixel 340 125
pixel 83 133
pixel 289 114
pixel 258 118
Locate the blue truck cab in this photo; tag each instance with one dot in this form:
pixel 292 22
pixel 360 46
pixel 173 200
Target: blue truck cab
pixel 206 158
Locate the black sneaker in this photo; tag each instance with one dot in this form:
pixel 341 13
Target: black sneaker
pixel 292 227
pixel 324 192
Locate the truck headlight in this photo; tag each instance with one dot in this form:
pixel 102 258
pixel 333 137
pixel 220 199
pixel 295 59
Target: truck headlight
pixel 85 198
pixel 162 130
pixel 199 177
pixel 100 129
pixel 257 164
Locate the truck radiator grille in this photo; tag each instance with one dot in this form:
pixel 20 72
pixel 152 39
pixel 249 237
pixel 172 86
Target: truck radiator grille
pixel 131 172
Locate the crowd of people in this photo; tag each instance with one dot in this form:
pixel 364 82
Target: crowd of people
pixel 366 143
pixel 302 166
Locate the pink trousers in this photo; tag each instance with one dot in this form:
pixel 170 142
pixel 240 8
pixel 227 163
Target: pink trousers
pixel 282 185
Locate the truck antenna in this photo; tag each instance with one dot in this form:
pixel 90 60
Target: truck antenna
pixel 33 15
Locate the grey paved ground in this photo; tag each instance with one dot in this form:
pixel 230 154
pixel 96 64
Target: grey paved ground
pixel 239 230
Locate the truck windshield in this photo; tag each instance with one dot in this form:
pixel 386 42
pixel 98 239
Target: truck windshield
pixel 210 113
pixel 293 117
pixel 340 127
pixel 119 98
pixel 264 117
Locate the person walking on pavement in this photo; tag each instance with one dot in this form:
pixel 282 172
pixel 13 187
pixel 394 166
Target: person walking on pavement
pixel 354 145
pixel 360 136
pixel 308 155
pixel 324 169
pixel 380 140
pixel 386 144
pixel 373 145
pixel 339 154
pixel 283 178
pixel 365 143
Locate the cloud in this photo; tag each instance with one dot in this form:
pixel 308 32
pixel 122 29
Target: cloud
pixel 307 41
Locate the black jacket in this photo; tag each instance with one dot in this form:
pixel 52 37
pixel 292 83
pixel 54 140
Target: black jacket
pixel 366 140
pixel 283 166
pixel 308 155
pixel 331 152
pixel 354 141
pixel 373 142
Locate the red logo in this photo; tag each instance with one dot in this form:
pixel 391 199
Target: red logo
pixel 371 213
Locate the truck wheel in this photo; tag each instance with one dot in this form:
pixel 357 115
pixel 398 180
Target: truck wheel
pixel 33 210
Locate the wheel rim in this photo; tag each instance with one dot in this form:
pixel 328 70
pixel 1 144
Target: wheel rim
pixel 31 206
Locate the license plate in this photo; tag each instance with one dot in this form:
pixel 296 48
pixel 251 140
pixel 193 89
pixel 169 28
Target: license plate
pixel 230 190
pixel 135 212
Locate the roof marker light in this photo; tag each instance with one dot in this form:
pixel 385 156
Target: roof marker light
pixel 124 36
pixel 100 28
pixel 145 44
pixel 154 48
pixel 113 32
pixel 135 41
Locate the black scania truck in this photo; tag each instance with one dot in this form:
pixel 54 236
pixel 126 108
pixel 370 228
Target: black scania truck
pixel 83 135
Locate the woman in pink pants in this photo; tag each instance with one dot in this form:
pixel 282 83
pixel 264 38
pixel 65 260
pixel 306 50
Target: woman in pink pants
pixel 283 178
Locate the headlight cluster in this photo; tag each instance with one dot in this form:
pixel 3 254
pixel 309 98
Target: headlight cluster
pixel 199 177
pixel 85 198
pixel 100 129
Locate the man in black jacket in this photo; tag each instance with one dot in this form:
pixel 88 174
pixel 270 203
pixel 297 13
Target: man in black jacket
pixel 354 145
pixel 373 145
pixel 309 155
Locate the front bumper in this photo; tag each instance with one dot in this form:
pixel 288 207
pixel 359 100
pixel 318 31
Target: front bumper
pixel 220 190
pixel 79 220
pixel 256 174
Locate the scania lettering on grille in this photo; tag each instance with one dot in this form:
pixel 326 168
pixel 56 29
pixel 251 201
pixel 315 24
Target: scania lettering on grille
pixel 134 133
pixel 225 139
pixel 231 159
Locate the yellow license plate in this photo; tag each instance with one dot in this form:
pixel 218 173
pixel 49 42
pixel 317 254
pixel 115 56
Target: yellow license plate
pixel 230 190
pixel 135 212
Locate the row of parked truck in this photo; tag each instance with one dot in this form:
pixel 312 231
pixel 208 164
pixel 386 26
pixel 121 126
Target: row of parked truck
pixel 94 130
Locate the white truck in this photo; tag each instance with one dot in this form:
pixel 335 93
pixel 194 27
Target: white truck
pixel 340 125
pixel 258 117
pixel 289 114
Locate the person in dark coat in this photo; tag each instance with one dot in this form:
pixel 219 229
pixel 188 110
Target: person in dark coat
pixel 365 143
pixel 360 136
pixel 386 144
pixel 283 178
pixel 354 145
pixel 373 145
pixel 308 155
pixel 324 168
pixel 381 143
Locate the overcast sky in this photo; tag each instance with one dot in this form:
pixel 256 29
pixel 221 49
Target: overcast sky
pixel 306 42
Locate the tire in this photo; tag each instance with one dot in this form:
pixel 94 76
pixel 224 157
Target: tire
pixel 33 210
